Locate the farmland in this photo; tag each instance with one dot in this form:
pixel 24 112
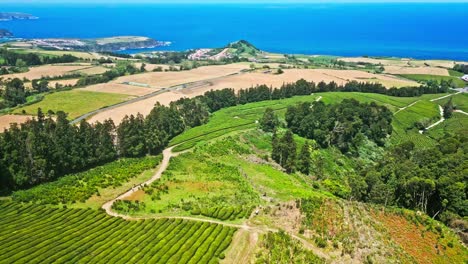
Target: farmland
pixel 46 70
pixel 429 77
pixel 88 236
pixel 74 103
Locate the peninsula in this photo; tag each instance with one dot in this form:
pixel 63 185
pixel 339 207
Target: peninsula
pixel 5 33
pixel 94 45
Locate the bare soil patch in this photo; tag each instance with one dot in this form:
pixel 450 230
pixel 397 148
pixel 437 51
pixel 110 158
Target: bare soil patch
pixel 416 70
pixel 120 89
pixel 6 120
pixel 168 79
pixel 144 107
pixel 45 70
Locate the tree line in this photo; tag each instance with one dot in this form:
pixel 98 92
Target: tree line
pixel 11 58
pixel 463 68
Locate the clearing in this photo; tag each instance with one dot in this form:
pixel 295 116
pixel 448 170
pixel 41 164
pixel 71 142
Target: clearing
pixel 6 120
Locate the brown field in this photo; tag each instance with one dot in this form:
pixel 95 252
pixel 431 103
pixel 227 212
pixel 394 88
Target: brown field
pixel 416 70
pixel 247 80
pixel 144 107
pixel 405 62
pixel 45 70
pixel 71 82
pixel 6 120
pixel 151 67
pixel 92 70
pixel 236 82
pixel 120 89
pixel 168 79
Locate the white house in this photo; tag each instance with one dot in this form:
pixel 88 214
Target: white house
pixel 465 78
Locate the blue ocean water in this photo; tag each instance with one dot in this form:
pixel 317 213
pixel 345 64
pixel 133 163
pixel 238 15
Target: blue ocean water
pixel 437 30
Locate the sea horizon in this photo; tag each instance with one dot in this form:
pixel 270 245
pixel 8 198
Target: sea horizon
pixel 417 30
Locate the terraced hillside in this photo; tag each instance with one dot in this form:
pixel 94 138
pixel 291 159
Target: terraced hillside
pixel 36 234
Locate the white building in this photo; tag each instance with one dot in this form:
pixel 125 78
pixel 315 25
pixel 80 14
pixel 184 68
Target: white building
pixel 465 78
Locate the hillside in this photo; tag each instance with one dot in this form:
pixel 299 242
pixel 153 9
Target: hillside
pixel 241 49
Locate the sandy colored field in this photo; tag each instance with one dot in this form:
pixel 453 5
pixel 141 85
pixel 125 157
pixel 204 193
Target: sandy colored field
pixel 92 70
pixel 120 89
pixel 416 70
pixel 45 70
pixel 247 80
pixel 151 67
pixel 244 81
pixel 6 120
pixel 71 82
pixel 144 107
pixel 405 62
pixel 168 79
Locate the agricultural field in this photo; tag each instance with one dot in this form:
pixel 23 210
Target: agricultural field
pixel 6 120
pixel 244 116
pixel 34 234
pixel 340 77
pixel 459 83
pixel 403 62
pixel 117 88
pixel 169 79
pixel 416 70
pixel 75 102
pixel 457 124
pixel 460 101
pixel 92 70
pixel 46 70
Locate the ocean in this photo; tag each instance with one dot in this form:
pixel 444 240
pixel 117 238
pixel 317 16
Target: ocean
pixel 431 31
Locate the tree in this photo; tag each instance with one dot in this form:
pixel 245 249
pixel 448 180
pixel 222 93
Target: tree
pixel 14 93
pixel 448 109
pixel 269 121
pixel 288 152
pixel 304 161
pixel 276 150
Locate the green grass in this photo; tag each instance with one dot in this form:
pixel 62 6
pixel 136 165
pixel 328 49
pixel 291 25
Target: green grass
pixel 243 117
pixel 199 181
pixel 38 234
pixel 455 73
pixel 75 103
pixel 457 124
pixel 460 101
pixel 427 77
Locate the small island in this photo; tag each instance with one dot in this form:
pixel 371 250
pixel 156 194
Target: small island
pixel 5 33
pixel 7 16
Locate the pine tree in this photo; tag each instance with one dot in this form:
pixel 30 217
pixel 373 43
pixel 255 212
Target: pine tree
pixel 304 161
pixel 276 151
pixel 448 109
pixel 288 152
pixel 269 121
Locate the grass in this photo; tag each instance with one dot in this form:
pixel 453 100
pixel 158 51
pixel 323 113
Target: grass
pixel 244 117
pixel 460 101
pixel 457 124
pixel 75 103
pixel 36 234
pixel 427 77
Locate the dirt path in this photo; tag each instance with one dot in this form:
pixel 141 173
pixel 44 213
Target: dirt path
pixel 442 119
pixel 403 108
pixel 461 112
pixel 167 155
pixel 445 96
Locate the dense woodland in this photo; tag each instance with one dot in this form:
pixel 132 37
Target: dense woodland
pixel 344 125
pixel 431 180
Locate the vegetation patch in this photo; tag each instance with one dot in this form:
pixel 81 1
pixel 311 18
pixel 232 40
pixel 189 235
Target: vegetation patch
pixel 81 186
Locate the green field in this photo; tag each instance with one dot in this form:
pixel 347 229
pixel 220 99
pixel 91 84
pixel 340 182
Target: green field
pixel 457 124
pixel 75 102
pixel 427 77
pixel 37 234
pixel 244 116
pixel 460 101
